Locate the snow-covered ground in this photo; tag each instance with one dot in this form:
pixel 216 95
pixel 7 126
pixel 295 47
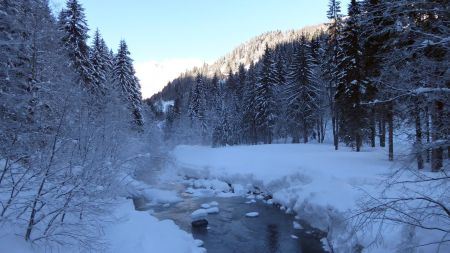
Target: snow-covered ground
pixel 128 231
pixel 321 185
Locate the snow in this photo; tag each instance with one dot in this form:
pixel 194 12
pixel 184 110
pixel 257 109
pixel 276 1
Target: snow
pixel 14 244
pixel 212 210
pixel 158 196
pixel 128 231
pixel 205 206
pixel 213 203
pixel 297 225
pixel 292 173
pixel 319 184
pixel 252 214
pixel 199 214
pixel 140 232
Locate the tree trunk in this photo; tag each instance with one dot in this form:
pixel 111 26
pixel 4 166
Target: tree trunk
pixel 418 145
pixel 390 119
pixel 437 151
pixel 322 129
pixel 305 132
pixel 372 128
pixel 427 129
pixel 335 131
pixel 358 141
pixel 319 134
pixel 382 130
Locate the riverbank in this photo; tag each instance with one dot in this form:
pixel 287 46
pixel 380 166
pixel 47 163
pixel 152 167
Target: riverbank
pixel 323 186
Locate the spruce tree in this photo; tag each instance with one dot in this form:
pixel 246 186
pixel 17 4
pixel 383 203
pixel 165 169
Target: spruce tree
pixel 352 115
pixel 265 99
pixel 331 71
pixel 301 93
pixel 72 22
pixel 128 85
pixel 249 124
pixel 101 63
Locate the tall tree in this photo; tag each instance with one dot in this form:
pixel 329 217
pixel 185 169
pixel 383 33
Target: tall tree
pixel 351 86
pixel 101 63
pixel 265 100
pixel 124 77
pixel 302 93
pixel 72 22
pixel 334 34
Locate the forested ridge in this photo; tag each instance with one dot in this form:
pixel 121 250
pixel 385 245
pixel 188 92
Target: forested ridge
pixel 378 72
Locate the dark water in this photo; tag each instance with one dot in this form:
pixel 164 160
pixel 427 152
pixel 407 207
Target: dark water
pixel 230 231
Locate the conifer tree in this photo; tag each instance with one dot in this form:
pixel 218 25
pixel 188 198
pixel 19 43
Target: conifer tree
pixel 249 124
pixel 101 63
pixel 301 93
pixel 352 115
pixel 72 22
pixel 127 83
pixel 265 98
pixel 334 33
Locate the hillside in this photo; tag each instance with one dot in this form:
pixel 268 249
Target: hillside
pixel 247 52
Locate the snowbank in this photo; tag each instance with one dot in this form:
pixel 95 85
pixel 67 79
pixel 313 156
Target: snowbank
pixel 128 231
pixel 292 173
pixel 141 232
pixel 320 184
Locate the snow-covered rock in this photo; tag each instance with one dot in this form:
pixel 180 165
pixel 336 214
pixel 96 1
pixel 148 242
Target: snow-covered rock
pixel 252 214
pixel 297 225
pixel 213 203
pixel 199 214
pixel 205 206
pixel 212 210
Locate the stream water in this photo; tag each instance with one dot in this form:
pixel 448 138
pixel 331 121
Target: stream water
pixel 230 231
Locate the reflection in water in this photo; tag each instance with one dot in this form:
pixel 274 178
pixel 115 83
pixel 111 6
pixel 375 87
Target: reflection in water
pixel 272 237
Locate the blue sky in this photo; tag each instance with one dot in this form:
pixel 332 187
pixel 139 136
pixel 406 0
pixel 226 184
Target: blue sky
pixel 179 33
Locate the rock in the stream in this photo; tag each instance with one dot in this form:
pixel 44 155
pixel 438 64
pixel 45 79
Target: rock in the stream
pixel 250 201
pixel 199 214
pixel 252 214
pixel 199 223
pixel 206 206
pixel 198 243
pixel 212 210
pixel 267 197
pixel 294 237
pixel 297 225
pixel 213 203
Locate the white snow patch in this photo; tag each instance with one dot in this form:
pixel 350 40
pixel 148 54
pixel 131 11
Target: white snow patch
pixel 199 214
pixel 140 232
pixel 205 206
pixel 212 210
pixel 252 214
pixel 297 225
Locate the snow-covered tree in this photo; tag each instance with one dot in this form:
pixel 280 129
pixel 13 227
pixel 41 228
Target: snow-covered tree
pixel 301 93
pixel 72 22
pixel 101 62
pixel 332 57
pixel 124 77
pixel 266 106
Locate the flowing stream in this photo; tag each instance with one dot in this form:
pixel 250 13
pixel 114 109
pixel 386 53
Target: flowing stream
pixel 230 231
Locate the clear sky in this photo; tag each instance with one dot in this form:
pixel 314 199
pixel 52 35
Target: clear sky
pixel 167 36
